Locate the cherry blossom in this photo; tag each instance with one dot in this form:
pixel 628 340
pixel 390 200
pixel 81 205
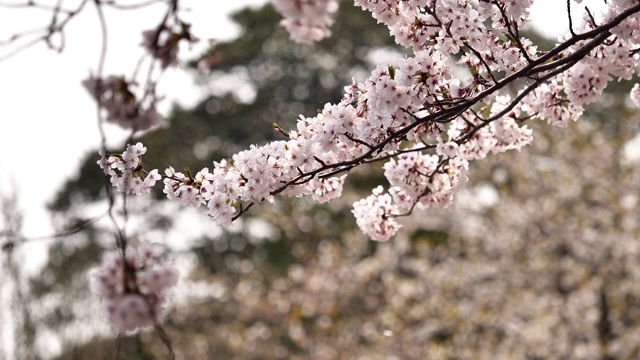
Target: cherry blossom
pixel 307 21
pixel 115 95
pixel 126 170
pixel 374 215
pixel 134 286
pixel 426 117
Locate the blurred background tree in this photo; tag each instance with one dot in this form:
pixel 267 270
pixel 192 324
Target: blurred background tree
pixel 536 259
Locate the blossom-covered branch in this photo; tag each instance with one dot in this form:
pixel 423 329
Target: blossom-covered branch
pixel 419 104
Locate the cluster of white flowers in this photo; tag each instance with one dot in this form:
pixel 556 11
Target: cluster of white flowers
pixel 629 29
pixel 307 21
pixel 584 83
pixel 254 175
pixel 424 180
pixel 126 170
pixel 426 123
pixel 202 189
pixel 134 286
pixel 375 215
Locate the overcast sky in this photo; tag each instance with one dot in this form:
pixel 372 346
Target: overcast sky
pixel 48 121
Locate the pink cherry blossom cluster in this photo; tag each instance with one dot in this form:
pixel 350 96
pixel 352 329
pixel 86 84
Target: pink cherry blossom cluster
pixel 375 215
pixel 134 286
pixel 114 94
pixel 126 170
pixel 254 175
pixel 426 123
pixel 307 21
pixel 629 29
pixel 584 83
pixel 202 189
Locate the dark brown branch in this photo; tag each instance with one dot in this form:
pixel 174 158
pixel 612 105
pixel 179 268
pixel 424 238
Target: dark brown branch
pixel 166 340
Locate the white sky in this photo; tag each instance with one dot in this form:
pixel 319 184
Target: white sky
pixel 48 121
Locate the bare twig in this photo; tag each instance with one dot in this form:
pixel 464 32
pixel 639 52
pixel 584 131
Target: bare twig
pixel 570 18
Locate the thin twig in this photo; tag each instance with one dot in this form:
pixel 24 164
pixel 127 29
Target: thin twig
pixel 570 18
